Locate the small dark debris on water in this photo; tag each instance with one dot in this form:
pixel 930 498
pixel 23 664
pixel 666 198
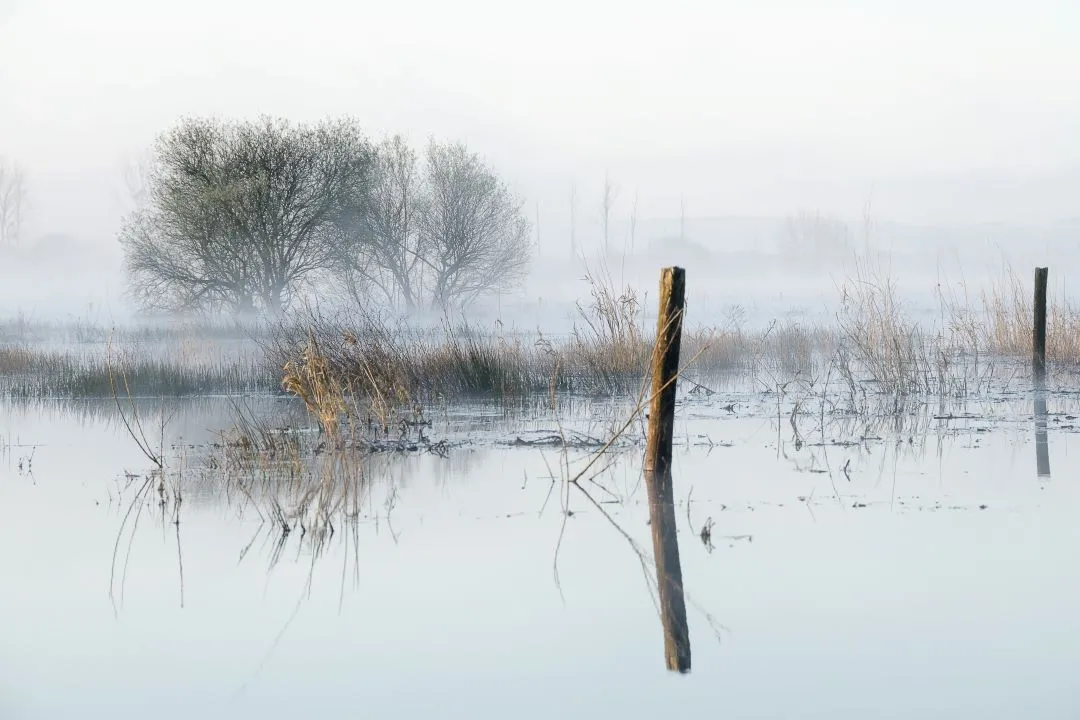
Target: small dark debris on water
pixel 549 440
pixel 859 505
pixel 706 441
pixel 698 388
pixel 982 507
pixel 572 440
pixel 836 443
pixel 706 534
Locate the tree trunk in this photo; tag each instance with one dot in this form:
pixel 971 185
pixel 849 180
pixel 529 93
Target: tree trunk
pixel 244 306
pixel 272 301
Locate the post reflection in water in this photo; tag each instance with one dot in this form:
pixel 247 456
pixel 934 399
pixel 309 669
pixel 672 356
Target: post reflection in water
pixel 669 574
pixel 1042 446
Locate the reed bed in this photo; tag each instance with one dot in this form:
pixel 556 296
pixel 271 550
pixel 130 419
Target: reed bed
pixel 379 369
pixel 875 348
pixel 27 372
pixel 1008 327
pixel 364 363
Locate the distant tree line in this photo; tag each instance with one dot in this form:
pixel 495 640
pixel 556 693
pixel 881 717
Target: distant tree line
pixel 814 234
pixel 245 216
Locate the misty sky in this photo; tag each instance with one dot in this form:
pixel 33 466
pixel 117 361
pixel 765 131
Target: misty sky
pixel 955 111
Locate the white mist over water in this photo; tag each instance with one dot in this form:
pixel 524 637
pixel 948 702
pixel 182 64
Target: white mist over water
pixel 746 274
pixel 948 119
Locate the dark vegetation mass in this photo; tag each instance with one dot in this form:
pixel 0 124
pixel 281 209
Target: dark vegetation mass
pixel 247 217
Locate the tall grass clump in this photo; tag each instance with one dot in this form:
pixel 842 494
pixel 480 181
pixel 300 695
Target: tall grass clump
pixel 880 343
pixel 310 379
pixel 384 367
pixel 387 367
pixel 1009 317
pixel 610 345
pixel 878 340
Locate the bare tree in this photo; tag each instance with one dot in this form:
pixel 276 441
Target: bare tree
pixel 135 173
pixel 387 248
pixel 474 236
pixel 633 222
pixel 607 202
pixel 682 219
pixel 815 235
pixel 241 214
pixel 573 219
pixel 13 196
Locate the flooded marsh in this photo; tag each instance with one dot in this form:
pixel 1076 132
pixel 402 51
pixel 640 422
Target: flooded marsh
pixel 374 360
pixel 835 564
pixel 869 517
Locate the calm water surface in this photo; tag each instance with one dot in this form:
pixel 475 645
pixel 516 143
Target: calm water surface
pixel 933 579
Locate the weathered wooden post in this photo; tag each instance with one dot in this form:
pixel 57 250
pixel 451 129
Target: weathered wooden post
pixel 665 369
pixel 1038 360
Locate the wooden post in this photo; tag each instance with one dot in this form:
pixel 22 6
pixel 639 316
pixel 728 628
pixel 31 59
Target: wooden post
pixel 665 368
pixel 1038 360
